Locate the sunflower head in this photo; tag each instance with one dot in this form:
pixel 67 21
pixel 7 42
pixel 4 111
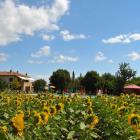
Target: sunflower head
pixel 4 129
pixel 59 106
pixel 134 120
pixel 125 104
pixel 92 121
pixel 18 123
pixel 44 117
pixel 46 109
pixel 113 106
pixel 37 119
pixel 122 110
pixel 89 103
pixel 52 110
pixel 90 111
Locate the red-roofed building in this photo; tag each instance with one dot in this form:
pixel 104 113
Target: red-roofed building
pixel 24 80
pixel 132 89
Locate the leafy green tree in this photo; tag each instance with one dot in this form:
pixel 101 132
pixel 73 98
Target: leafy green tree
pixel 75 83
pixel 135 80
pixel 124 74
pixel 91 82
pixel 39 85
pixel 15 85
pixel 60 79
pixel 107 83
pixel 73 76
pixel 3 85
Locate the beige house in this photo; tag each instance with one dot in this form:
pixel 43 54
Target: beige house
pixel 24 80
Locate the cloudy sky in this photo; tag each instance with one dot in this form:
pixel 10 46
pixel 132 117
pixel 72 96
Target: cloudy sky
pixel 41 36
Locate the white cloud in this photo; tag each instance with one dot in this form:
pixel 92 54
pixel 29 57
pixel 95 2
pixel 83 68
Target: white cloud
pixel 41 76
pixel 48 37
pixel 123 38
pixel 35 62
pixel 135 36
pixel 62 59
pixel 100 57
pixel 3 57
pixel 20 19
pixel 44 51
pixel 110 61
pixel 67 36
pixel 134 56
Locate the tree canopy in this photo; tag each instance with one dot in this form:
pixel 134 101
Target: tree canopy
pixel 107 83
pixel 15 85
pixel 124 73
pixel 39 85
pixel 91 82
pixel 60 79
pixel 3 85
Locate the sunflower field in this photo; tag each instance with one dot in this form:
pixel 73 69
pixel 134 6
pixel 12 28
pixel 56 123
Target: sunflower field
pixel 52 117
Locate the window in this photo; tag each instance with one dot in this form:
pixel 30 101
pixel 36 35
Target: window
pixel 10 79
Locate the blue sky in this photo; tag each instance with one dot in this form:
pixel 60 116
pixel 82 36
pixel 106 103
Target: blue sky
pixel 41 36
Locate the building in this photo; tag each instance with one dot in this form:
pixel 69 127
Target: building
pixel 24 80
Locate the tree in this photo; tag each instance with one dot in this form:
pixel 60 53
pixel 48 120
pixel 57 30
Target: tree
pixel 91 82
pixel 124 74
pixel 39 85
pixel 3 85
pixel 75 83
pixel 60 79
pixel 135 80
pixel 107 83
pixel 73 76
pixel 15 85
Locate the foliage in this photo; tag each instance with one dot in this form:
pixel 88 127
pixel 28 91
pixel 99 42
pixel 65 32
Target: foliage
pixel 75 84
pixel 135 80
pixel 15 85
pixel 28 117
pixel 60 117
pixel 39 85
pixel 3 85
pixel 91 82
pixel 124 73
pixel 107 83
pixel 114 113
pixel 60 79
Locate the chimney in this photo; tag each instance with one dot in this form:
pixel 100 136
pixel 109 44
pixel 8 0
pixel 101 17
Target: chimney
pixel 10 71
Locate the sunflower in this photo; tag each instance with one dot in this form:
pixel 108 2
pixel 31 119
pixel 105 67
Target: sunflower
pixel 44 103
pixel 18 103
pixel 113 106
pixel 89 103
pixel 122 110
pixel 18 123
pixel 34 112
pixel 59 106
pixel 38 119
pixel 125 104
pixel 90 111
pixel 87 99
pixel 92 121
pixel 4 129
pixel 52 110
pixel 134 120
pixel 69 100
pixel 46 109
pixel 44 117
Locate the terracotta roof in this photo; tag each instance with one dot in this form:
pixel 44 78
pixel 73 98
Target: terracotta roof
pixel 5 73
pixel 132 87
